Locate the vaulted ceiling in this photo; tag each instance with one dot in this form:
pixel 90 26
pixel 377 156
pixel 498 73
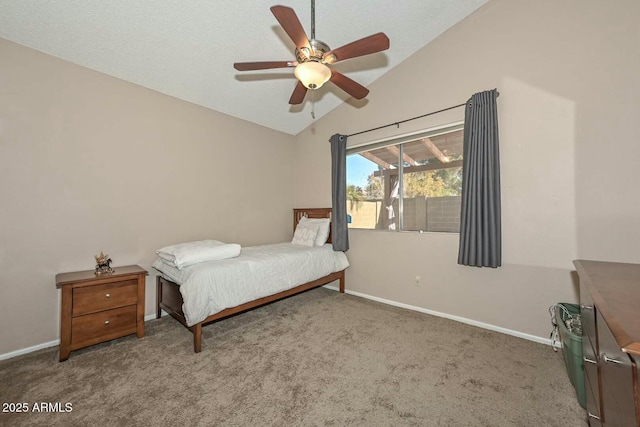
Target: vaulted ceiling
pixel 186 48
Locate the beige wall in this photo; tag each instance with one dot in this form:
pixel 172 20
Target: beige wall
pixel 90 163
pixel 570 156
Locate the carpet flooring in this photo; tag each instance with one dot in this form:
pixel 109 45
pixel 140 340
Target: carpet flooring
pixel 316 359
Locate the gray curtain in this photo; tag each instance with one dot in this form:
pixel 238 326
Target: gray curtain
pixel 339 230
pixel 480 227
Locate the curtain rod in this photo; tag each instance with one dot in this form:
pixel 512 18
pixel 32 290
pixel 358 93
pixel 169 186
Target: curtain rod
pixel 408 120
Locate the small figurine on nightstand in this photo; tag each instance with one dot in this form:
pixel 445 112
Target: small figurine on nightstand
pixel 103 265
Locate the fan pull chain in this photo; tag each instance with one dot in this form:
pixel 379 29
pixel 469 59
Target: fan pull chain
pixel 313 106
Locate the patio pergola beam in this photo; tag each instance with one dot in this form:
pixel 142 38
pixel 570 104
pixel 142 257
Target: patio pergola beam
pixel 396 152
pixel 435 150
pixel 377 160
pixel 422 168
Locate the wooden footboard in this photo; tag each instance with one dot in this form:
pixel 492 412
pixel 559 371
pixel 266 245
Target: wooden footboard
pixel 169 299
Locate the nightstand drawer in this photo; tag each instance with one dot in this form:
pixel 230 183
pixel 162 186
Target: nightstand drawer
pixel 102 326
pixel 90 299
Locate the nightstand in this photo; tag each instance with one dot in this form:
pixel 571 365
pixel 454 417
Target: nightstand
pixel 99 308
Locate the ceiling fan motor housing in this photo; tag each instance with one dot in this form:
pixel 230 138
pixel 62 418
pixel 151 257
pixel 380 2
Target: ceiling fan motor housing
pixel 316 52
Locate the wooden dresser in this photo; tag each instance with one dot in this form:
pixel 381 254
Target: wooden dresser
pixel 99 308
pixel 610 307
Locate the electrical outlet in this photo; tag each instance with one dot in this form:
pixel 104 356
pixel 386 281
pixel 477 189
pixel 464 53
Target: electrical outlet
pixel 418 281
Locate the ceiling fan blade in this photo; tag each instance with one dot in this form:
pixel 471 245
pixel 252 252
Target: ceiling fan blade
pixel 352 87
pixel 298 94
pixel 248 66
pixel 371 44
pixel 291 25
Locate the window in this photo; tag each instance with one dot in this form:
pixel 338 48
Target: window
pixel 425 168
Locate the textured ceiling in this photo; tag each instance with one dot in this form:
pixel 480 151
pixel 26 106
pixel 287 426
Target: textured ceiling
pixel 186 48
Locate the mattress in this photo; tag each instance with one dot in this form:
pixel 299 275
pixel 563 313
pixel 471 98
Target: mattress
pixel 259 271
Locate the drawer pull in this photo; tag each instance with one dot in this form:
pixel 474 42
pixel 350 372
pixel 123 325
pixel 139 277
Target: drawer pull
pixel 612 360
pixel 586 307
pixel 108 295
pixel 587 360
pixel 106 322
pixel 595 417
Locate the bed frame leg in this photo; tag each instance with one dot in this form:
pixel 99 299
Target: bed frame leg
pixel 197 337
pixel 158 297
pixel 342 282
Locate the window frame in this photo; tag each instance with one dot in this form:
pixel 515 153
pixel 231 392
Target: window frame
pixel 399 141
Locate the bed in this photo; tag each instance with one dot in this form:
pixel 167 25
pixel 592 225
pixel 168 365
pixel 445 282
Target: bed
pixel 210 291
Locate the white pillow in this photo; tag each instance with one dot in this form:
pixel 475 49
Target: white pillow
pixel 323 230
pixel 189 253
pixel 305 235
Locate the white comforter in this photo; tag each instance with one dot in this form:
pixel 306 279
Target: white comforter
pixel 259 271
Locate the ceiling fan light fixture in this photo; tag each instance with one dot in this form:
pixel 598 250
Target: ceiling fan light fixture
pixel 312 74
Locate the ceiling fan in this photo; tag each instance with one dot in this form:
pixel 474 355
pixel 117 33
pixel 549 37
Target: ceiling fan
pixel 313 57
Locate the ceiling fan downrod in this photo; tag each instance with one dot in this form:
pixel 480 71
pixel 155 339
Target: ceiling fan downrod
pixel 313 19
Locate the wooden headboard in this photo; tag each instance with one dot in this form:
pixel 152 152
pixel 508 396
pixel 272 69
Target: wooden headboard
pixel 312 213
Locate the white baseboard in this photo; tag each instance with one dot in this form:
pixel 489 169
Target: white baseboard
pixel 153 316
pixel 52 343
pixel 451 317
pixel 357 294
pixel 29 349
